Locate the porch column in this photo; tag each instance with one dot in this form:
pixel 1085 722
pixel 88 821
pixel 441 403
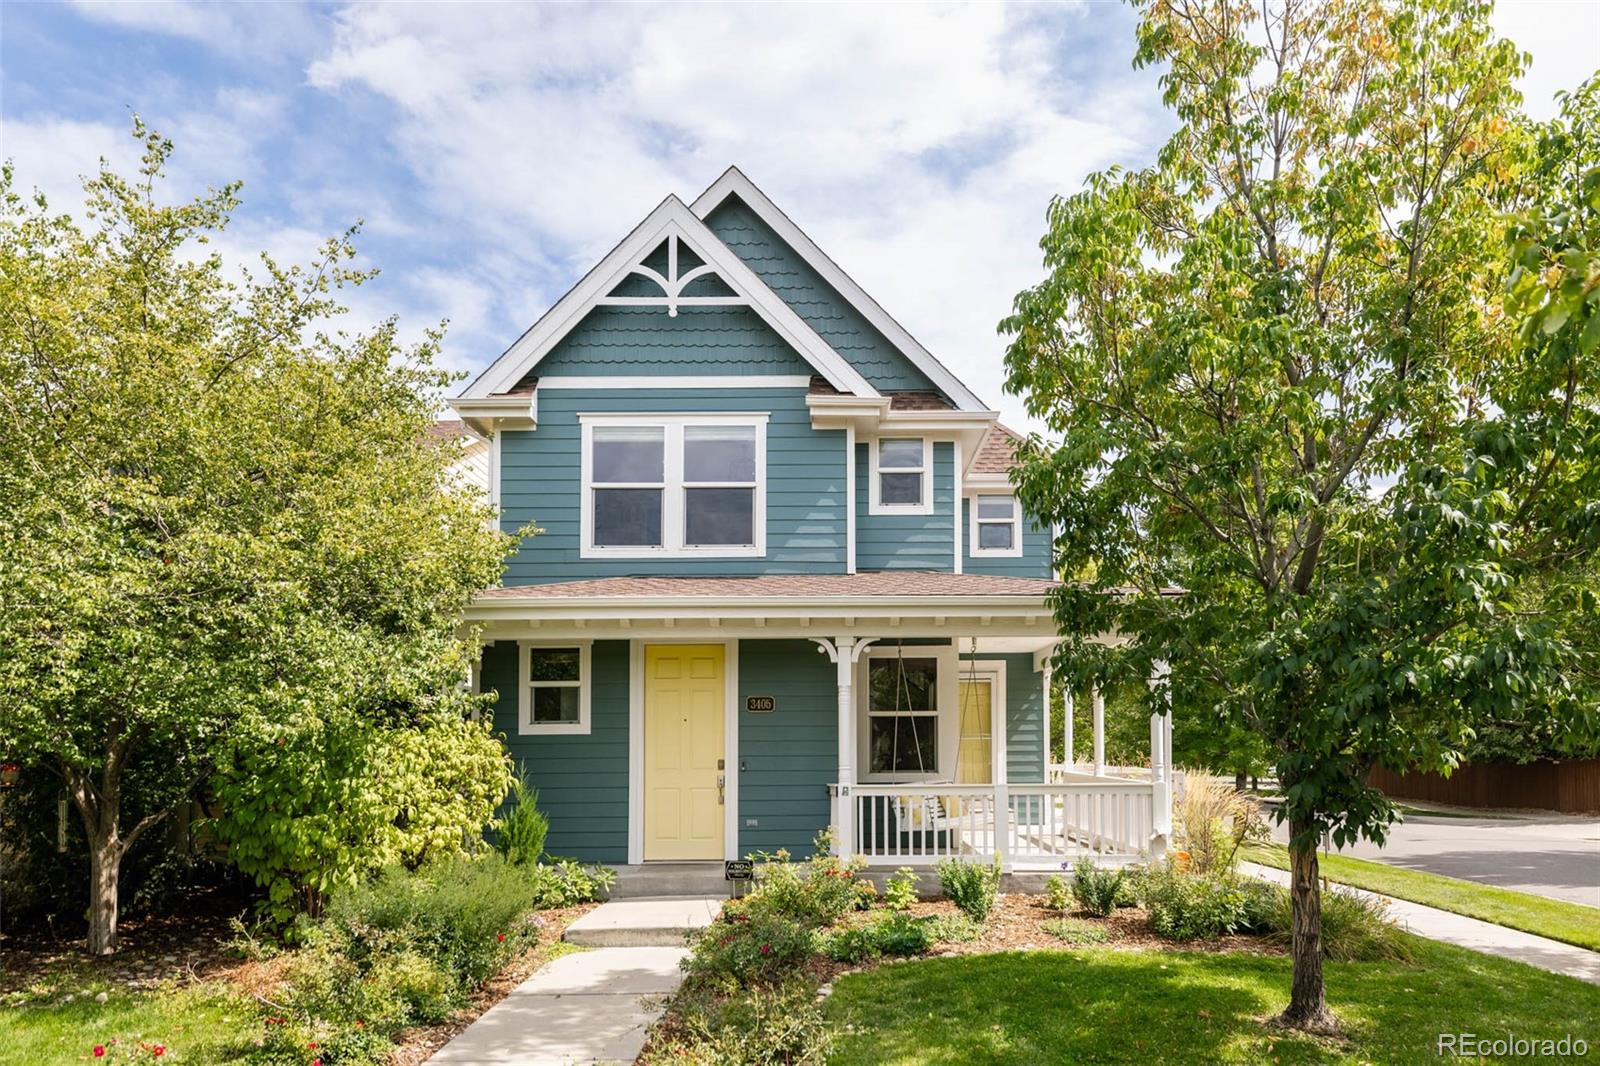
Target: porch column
pixel 1067 711
pixel 1044 728
pixel 1160 762
pixel 844 651
pixel 1098 702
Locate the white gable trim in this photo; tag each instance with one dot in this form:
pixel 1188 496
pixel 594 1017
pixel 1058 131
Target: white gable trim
pixel 733 181
pixel 671 218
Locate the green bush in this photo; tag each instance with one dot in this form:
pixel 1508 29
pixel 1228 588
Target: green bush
pixel 816 893
pixel 1097 887
pixel 567 882
pixel 1075 931
pixel 1057 893
pixel 758 1027
pixel 522 831
pixel 748 945
pixel 952 928
pixel 888 934
pixel 1196 906
pixel 970 886
pixel 1355 927
pixel 900 891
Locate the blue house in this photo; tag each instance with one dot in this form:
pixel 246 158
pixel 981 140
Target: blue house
pixel 781 583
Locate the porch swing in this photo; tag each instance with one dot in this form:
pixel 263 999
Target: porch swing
pixel 927 812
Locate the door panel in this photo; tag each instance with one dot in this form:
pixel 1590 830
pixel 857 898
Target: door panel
pixel 684 707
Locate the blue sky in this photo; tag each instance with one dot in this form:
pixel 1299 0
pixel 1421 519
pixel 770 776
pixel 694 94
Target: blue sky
pixel 495 151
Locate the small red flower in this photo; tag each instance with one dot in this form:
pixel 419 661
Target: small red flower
pixel 316 1062
pixel 99 1051
pixel 158 1050
pixel 360 1024
pixel 312 1046
pixel 501 937
pixel 766 949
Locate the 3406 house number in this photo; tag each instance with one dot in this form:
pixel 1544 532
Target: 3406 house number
pixel 760 704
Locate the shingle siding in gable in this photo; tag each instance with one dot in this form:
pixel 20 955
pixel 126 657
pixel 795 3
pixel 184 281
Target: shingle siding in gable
pixel 813 299
pixel 647 341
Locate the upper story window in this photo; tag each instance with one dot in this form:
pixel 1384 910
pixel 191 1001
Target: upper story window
pixel 554 688
pixel 996 526
pixel 674 486
pixel 902 476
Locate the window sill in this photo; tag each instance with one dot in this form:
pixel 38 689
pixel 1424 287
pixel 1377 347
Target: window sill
pixel 551 729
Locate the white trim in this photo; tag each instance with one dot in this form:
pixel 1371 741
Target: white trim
pixel 733 181
pixel 730 745
pixel 875 504
pixel 673 487
pixel 671 219
pixel 955 519
pixel 1013 552
pixel 526 726
pixel 662 381
pixel 494 475
pixel 850 499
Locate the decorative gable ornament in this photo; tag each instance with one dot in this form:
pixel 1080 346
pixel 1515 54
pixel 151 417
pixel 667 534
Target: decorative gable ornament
pixel 688 281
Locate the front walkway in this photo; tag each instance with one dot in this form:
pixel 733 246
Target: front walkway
pixel 1471 933
pixel 594 1005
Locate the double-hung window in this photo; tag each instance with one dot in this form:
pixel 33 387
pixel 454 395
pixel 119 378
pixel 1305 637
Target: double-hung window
pixel 674 486
pixel 554 688
pixel 996 526
pixel 902 476
pixel 903 716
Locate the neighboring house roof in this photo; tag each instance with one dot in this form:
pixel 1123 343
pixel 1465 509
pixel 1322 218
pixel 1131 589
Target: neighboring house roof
pixel 997 453
pixel 672 221
pixel 867 584
pixel 733 182
pixel 448 429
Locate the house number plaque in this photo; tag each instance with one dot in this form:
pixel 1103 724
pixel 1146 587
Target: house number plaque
pixel 761 704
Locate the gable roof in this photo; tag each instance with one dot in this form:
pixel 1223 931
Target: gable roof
pixel 672 219
pixel 997 453
pixel 733 182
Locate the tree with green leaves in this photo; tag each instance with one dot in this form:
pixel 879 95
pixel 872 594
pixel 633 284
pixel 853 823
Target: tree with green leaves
pixel 1290 380
pixel 221 521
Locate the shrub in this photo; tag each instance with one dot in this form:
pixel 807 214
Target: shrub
pixel 1057 893
pixel 890 934
pixel 1075 931
pixel 1214 821
pixel 900 891
pixel 970 886
pixel 952 928
pixel 1355 927
pixel 815 893
pixel 748 945
pixel 523 829
pixel 1097 887
pixel 567 882
pixel 759 1027
pixel 1186 906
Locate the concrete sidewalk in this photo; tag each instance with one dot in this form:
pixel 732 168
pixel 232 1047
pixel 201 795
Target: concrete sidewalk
pixel 1471 933
pixel 591 1006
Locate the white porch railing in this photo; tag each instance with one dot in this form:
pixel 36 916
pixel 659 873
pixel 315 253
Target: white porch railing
pixel 1044 826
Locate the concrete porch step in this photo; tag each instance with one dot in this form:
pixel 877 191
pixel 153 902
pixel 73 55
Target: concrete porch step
pixel 660 921
pixel 670 879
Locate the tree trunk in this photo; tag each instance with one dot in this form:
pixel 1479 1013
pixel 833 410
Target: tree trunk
pixel 1240 780
pixel 105 863
pixel 1308 1009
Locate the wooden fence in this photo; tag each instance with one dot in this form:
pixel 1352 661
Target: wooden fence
pixel 1568 785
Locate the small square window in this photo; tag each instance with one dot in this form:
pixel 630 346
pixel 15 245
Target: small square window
pixel 996 526
pixel 902 476
pixel 555 689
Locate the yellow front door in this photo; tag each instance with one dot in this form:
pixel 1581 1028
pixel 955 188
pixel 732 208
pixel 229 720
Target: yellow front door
pixel 684 693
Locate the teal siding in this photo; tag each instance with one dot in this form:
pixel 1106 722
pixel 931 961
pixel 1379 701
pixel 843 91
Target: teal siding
pixel 813 299
pixel 646 340
pixel 582 780
pixel 540 482
pixel 788 757
pixel 907 542
pixel 1033 562
pixel 1024 719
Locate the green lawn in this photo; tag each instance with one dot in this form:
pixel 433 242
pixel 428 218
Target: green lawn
pixel 1571 923
pixel 1100 1006
pixel 204 1024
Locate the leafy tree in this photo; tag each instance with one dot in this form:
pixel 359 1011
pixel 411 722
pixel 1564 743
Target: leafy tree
pixel 218 519
pixel 1287 383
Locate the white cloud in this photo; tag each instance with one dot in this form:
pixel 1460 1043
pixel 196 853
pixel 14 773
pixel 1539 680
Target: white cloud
pixel 918 145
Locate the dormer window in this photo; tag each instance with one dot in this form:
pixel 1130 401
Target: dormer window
pixel 996 526
pixel 673 486
pixel 902 476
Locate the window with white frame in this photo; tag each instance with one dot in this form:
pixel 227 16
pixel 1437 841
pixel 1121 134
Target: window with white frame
pixel 996 526
pixel 902 476
pixel 681 486
pixel 903 715
pixel 554 688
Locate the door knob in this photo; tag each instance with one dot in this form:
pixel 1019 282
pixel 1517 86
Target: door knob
pixel 722 788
